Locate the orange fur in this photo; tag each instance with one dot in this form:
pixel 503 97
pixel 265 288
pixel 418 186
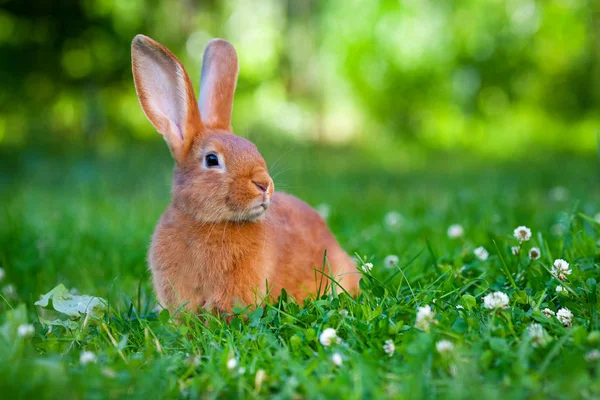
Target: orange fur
pixel 226 234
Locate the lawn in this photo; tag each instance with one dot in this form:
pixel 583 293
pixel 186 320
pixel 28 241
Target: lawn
pixel 420 328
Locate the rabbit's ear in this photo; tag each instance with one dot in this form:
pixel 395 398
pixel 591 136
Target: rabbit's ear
pixel 165 93
pixel 217 84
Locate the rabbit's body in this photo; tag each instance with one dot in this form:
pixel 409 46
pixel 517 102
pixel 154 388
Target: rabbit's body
pixel 218 265
pixel 226 234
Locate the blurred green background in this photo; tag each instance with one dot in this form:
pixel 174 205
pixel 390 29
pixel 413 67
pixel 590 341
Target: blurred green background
pixel 499 78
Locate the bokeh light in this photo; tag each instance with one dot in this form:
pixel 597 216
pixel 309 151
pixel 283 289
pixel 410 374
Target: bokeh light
pixel 493 78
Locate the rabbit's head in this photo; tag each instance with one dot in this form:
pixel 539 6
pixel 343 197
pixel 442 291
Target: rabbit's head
pixel 219 176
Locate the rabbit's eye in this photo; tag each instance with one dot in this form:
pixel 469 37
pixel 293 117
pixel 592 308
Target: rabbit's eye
pixel 212 160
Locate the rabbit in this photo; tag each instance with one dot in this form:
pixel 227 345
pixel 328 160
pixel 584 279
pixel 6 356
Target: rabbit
pixel 227 238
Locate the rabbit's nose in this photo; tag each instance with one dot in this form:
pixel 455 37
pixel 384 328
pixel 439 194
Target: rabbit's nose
pixel 262 186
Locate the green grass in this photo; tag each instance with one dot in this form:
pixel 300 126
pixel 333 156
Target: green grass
pixel 85 221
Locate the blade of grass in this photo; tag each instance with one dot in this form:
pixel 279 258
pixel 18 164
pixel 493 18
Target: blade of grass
pixel 506 270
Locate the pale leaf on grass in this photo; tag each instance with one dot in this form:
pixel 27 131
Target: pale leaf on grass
pixel 75 306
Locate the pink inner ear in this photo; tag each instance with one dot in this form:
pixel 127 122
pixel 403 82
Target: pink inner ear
pixel 179 131
pixel 163 86
pixel 210 92
pixel 217 84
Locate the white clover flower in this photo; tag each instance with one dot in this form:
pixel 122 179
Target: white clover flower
pixel 87 357
pixel 391 261
pixel 565 316
pixel 367 267
pixel 389 348
pixel 560 269
pixel 232 363
pixel 559 289
pixel 548 313
pixel 534 253
pixel 425 317
pixel 444 346
pixel 522 233
pixel 537 334
pixel 241 370
pixel 343 312
pixel 592 355
pixel 328 336
pixel 2 274
pixel 337 360
pixel 558 193
pixel 481 253
pixel 192 360
pixel 515 250
pixel 597 217
pixel 25 330
pixel 292 382
pixel 455 231
pixel 259 378
pixel 9 291
pixel 324 210
pixel 393 220
pixel 109 373
pixel 495 301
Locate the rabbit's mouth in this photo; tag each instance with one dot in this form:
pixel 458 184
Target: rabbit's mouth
pixel 257 212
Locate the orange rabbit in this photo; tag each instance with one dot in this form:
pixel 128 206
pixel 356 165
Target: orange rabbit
pixel 226 233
